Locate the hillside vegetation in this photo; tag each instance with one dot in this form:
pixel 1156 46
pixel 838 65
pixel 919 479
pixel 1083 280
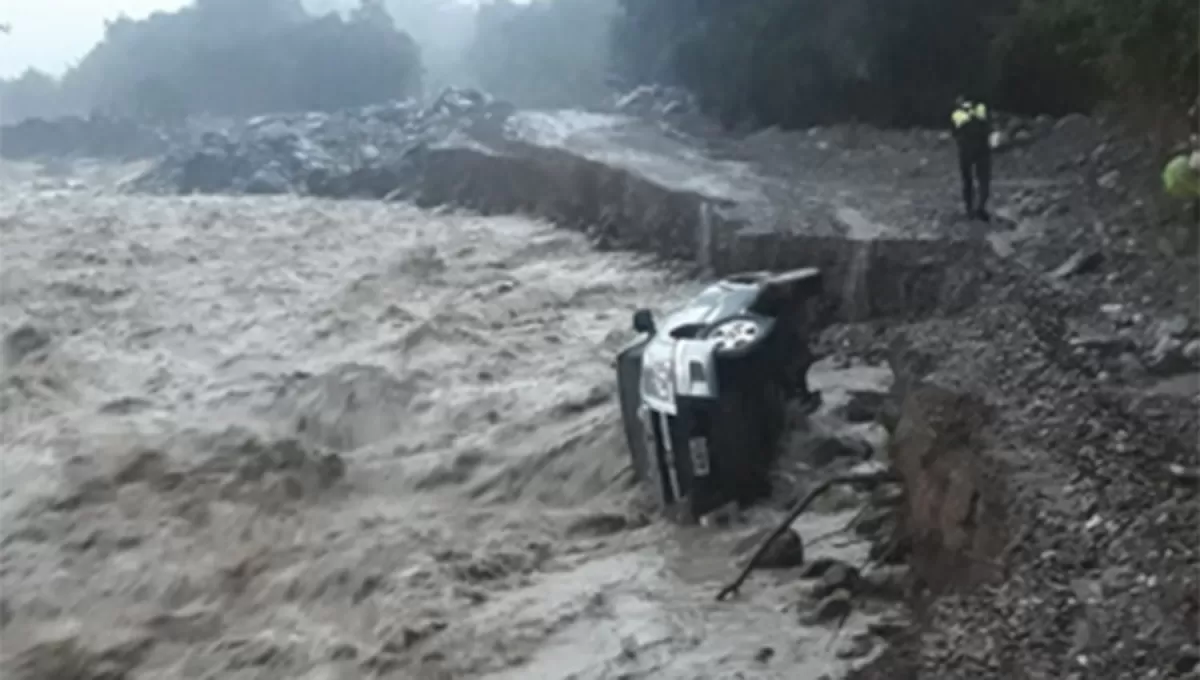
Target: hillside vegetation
pixel 798 62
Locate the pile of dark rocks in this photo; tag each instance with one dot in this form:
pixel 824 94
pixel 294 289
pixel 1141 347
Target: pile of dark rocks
pixel 360 152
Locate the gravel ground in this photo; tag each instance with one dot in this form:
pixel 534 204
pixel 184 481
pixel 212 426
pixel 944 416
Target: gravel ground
pixel 1092 396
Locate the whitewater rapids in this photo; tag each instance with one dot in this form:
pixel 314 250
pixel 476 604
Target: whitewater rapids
pixel 291 438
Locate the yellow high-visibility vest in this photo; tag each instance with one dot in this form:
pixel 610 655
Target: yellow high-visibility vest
pixel 1180 179
pixel 964 114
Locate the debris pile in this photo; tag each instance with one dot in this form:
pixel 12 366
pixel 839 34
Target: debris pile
pixel 351 153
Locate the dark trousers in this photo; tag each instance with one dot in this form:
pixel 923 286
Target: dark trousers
pixel 975 165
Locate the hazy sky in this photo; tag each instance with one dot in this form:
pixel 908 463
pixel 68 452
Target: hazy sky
pixel 52 34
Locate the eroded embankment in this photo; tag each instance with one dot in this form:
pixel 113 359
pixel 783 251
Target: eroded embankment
pixel 1041 505
pixel 646 200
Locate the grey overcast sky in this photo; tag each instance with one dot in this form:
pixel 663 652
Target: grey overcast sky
pixel 52 34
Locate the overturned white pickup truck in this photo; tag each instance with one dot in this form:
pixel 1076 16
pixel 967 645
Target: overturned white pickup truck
pixel 704 393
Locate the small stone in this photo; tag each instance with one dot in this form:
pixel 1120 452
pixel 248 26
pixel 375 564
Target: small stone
pixel 886 583
pixel 863 406
pixel 1191 352
pixel 888 628
pixel 1130 365
pixel 1184 475
pixel 872 472
pixel 1175 326
pixel 1057 210
pixel 1187 661
pixel 26 340
pixel 1081 262
pixel 873 523
pixel 829 449
pixel 382 663
pixel 343 652
pixel 764 654
pixel 838 577
pixel 1167 358
pixel 724 516
pixel 786 551
pixel 818 567
pixel 834 606
pixel 1110 180
pixel 856 647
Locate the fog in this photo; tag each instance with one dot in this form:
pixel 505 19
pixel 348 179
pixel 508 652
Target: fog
pixel 442 28
pixel 164 59
pixel 76 26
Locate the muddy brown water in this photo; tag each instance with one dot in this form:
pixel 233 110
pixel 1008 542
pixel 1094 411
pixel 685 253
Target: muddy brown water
pixel 170 510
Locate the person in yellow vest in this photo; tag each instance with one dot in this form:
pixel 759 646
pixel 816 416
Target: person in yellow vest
pixel 1181 180
pixel 972 128
pixel 1181 176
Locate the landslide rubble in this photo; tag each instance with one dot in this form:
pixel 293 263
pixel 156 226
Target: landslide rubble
pixel 350 153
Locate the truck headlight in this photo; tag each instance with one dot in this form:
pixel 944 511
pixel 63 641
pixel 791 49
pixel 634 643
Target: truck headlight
pixel 735 334
pixel 658 382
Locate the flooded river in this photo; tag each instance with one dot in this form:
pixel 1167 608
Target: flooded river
pixel 290 438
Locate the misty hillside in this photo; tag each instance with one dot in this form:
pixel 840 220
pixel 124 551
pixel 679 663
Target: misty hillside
pixel 768 62
pixel 325 54
pixel 230 57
